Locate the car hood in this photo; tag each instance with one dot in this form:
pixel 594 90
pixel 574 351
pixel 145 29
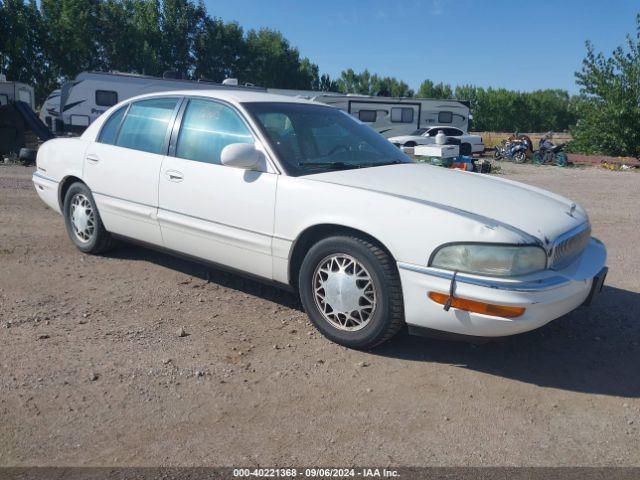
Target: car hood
pixel 531 211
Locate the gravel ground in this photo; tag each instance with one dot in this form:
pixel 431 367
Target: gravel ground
pixel 94 369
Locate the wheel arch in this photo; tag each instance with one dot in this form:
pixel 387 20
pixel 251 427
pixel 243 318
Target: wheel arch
pixel 313 234
pixel 65 183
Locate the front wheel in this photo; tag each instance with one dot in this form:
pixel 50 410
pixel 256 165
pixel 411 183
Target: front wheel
pixel 561 159
pixel 350 288
pixel 83 222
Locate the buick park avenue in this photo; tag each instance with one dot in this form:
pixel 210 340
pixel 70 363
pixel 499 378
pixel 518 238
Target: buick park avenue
pixel 302 195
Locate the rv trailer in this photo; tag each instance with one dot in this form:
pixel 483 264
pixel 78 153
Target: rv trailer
pixel 16 92
pixel 393 116
pixel 50 111
pixel 90 94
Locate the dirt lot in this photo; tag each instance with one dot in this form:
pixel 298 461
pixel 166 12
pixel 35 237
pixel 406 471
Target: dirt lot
pixel 93 372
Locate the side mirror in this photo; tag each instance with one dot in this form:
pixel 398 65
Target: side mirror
pixel 242 155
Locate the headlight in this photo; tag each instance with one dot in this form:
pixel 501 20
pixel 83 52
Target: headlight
pixel 490 260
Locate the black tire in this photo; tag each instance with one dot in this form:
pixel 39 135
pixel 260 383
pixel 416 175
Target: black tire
pixel 410 144
pixel 387 317
pixel 100 240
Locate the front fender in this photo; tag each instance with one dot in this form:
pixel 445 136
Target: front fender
pixel 409 230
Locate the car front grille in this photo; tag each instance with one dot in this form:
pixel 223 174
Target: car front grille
pixel 568 248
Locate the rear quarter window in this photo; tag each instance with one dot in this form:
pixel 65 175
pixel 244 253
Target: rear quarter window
pixel 110 128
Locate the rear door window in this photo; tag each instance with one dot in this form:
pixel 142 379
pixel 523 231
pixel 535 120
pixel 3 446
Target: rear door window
pixel 145 126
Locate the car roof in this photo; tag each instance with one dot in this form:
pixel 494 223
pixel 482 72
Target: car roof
pixel 230 95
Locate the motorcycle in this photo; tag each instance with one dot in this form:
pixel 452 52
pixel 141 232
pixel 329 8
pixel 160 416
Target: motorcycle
pixel 515 149
pixel 550 154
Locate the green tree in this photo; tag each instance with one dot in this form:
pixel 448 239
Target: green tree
pixel 430 90
pixel 219 49
pixel 270 61
pixel 326 84
pixel 23 56
pixel 608 108
pixel 72 35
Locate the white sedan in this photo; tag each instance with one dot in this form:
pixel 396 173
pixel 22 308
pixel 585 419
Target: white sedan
pixel 303 196
pixel 427 136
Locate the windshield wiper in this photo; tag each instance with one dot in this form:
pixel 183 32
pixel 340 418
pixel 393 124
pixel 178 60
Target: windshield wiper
pixel 340 165
pixel 382 164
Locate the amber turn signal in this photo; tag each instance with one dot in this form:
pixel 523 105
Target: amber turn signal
pixel 478 307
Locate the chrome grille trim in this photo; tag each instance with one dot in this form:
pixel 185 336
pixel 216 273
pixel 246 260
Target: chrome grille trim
pixel 568 246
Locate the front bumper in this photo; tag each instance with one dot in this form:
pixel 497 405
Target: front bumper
pixel 545 295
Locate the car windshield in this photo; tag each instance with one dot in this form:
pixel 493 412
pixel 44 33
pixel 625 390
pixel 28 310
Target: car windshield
pixel 418 132
pixel 314 138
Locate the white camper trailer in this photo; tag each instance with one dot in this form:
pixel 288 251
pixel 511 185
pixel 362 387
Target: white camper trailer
pixel 393 116
pixel 50 111
pixel 91 93
pixel 16 91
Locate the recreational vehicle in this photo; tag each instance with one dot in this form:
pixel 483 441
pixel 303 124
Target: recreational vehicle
pixel 91 93
pixel 50 111
pixel 16 91
pixel 393 116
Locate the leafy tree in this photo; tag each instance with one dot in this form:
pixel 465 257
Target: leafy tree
pixel 178 24
pixel 429 90
pixel 270 61
pixel 608 108
pixel 219 49
pixel 365 83
pixel 22 46
pixel 326 84
pixel 309 74
pixel 72 34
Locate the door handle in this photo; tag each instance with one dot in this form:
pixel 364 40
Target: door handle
pixel 93 158
pixel 174 175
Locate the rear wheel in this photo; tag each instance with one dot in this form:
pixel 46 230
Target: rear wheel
pixel 82 220
pixel 520 157
pixel 350 288
pixel 537 158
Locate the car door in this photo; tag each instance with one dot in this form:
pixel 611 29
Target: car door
pixel 122 167
pixel 209 210
pixel 453 132
pixel 428 137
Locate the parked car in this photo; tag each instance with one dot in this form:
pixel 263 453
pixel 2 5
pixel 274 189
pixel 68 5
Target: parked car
pixel 305 196
pixel 427 136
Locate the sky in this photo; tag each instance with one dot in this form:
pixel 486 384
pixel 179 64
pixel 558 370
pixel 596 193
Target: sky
pixel 517 44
